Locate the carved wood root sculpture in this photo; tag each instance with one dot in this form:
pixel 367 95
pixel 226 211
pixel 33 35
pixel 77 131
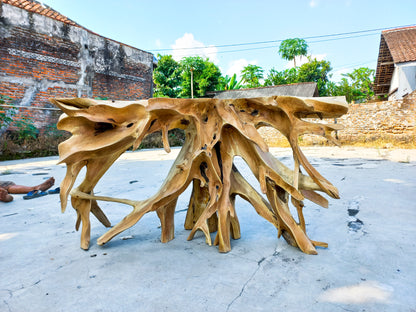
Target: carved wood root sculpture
pixel 216 131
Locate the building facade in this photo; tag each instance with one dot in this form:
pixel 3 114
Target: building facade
pixel 44 55
pixel 396 64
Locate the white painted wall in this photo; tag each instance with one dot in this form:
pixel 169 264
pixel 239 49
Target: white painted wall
pixel 404 79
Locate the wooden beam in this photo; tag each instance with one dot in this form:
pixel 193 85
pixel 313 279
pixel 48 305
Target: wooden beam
pixel 387 63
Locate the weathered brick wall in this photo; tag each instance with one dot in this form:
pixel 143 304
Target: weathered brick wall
pixel 390 120
pixel 41 58
pixel 393 121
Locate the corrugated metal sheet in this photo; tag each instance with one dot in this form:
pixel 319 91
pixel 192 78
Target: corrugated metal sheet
pixel 305 89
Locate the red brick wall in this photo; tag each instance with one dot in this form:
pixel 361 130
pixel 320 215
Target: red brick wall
pixel 12 90
pixel 114 88
pixel 41 58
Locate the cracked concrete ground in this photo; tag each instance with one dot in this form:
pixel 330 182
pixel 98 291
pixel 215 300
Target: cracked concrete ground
pixel 369 265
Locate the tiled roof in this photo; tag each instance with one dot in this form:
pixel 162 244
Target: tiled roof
pixel 42 9
pixel 396 46
pixel 401 43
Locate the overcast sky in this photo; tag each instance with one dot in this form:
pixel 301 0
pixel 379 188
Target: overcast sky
pixel 252 29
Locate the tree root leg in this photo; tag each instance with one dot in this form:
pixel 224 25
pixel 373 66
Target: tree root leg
pixel 166 215
pixel 216 131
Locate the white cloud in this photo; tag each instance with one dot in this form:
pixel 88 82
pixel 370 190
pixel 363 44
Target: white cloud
pixel 185 45
pixel 158 43
pixel 337 75
pixel 235 67
pixel 300 60
pixel 313 3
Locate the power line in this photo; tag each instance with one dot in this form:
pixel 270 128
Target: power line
pixel 353 65
pixel 221 46
pixel 349 37
pixel 280 40
pixel 274 46
pixel 229 51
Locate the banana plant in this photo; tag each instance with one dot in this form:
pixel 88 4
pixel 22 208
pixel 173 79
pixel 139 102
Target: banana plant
pixel 230 83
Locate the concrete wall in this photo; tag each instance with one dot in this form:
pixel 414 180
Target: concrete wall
pixel 41 58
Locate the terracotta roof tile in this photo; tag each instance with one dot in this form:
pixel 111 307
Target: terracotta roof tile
pixel 401 43
pixel 42 9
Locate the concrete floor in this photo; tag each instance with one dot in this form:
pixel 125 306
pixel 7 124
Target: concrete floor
pixel 369 265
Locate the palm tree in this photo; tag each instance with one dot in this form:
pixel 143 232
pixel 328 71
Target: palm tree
pixel 290 48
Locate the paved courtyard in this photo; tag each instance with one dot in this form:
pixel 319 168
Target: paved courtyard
pixel 369 265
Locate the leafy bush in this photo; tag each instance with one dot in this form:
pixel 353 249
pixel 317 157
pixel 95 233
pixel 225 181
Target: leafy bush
pixel 25 129
pixel 6 113
pixel 176 137
pixel 25 143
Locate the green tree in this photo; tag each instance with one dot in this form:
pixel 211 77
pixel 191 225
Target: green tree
pixel 355 86
pixel 206 76
pixel 312 71
pixel 251 75
pixel 229 83
pixel 167 77
pixel 290 48
pixel 362 80
pixel 342 88
pixel 275 78
pixel 315 71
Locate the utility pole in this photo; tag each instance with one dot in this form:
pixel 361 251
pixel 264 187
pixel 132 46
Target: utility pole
pixel 192 82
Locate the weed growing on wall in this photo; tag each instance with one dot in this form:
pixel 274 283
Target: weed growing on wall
pixel 7 112
pixel 24 129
